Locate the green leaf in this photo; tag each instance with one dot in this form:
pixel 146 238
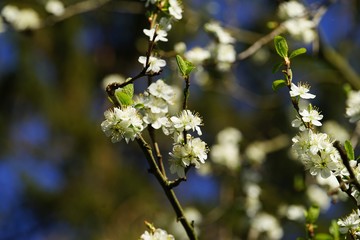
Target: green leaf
pixel 334 230
pixel 323 236
pixel 185 67
pixel 349 150
pixel 279 84
pixel 281 46
pixel 277 67
pixel 312 214
pixel 124 95
pixel 297 52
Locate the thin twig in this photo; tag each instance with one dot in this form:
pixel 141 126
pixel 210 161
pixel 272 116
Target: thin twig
pixel 154 169
pixel 261 42
pixel 73 10
pixel 346 162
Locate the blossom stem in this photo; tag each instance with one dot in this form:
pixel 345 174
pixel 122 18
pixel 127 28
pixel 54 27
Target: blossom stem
pixel 346 190
pixel 346 162
pixel 146 148
pixel 157 150
pixel 186 98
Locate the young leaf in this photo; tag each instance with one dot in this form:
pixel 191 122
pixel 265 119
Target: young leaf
pixel 124 95
pixel 277 67
pixel 297 52
pixel 281 46
pixel 278 84
pixel 349 150
pixel 185 67
pixel 334 230
pixel 312 214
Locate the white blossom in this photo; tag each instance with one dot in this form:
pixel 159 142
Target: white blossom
pixel 162 90
pixel 298 123
pixel 264 223
pixel 155 104
pixel 223 36
pixel 252 201
pixel 175 9
pixel 187 121
pixel 320 164
pixel 155 64
pixel 226 53
pixel 350 223
pixel 194 152
pixel 122 124
pixel 157 120
pixel 165 23
pixel 353 106
pixel 160 34
pixel 311 116
pixel 229 135
pixel 21 19
pixel 226 154
pixel 291 9
pixel 55 7
pixel 301 90
pixel 197 55
pixel 317 195
pixel 301 29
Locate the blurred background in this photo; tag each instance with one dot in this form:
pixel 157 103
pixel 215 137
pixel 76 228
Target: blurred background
pixel 62 178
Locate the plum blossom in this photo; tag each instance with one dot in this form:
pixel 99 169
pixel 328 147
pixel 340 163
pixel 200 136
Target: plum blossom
pixel 21 19
pixel 350 223
pixel 302 90
pixel 197 55
pixel 311 116
pixel 122 124
pixel 175 9
pixel 55 7
pixel 160 34
pixel 186 121
pixel 223 36
pixel 297 21
pixel 155 64
pixel 193 152
pixel 353 106
pixel 162 90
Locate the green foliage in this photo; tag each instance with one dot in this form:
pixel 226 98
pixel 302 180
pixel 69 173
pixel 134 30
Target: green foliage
pixel 349 150
pixel 185 66
pixel 281 46
pixel 297 52
pixel 279 84
pixel 312 214
pixel 334 230
pixel 124 95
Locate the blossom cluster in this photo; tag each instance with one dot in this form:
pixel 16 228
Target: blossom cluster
pixel 226 152
pixel 350 224
pixel 159 32
pixel 297 21
pixel 314 149
pixel 222 51
pixel 353 106
pixel 317 152
pixel 152 109
pixel 27 18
